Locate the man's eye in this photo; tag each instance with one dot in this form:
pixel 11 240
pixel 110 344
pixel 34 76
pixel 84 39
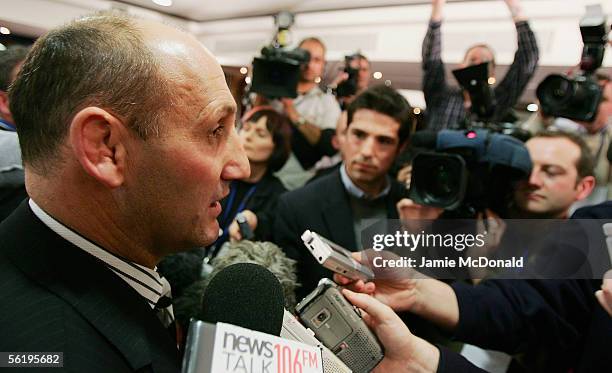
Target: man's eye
pixel 218 131
pixel 359 135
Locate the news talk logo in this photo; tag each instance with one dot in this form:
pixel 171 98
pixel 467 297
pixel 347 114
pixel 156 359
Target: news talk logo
pixel 240 350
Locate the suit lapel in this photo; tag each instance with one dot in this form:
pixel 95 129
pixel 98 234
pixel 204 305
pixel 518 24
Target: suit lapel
pixel 337 214
pixel 109 304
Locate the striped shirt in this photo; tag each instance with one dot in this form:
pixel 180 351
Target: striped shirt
pixel 445 107
pixel 147 282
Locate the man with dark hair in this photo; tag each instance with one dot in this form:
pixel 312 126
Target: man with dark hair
pixel 446 106
pixel 562 174
pixel 309 113
pixel 337 205
pixel 128 147
pixel 12 183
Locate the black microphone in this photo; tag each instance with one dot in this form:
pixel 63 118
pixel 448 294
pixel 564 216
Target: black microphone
pixel 245 295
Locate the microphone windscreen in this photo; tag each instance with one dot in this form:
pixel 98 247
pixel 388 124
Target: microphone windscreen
pixel 246 295
pixel 424 139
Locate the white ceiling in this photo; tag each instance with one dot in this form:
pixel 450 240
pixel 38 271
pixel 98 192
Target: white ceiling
pixel 207 10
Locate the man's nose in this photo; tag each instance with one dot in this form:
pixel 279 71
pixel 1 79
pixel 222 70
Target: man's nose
pixel 236 163
pixel 367 147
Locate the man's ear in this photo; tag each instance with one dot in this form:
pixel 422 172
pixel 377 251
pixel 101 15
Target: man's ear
pixel 98 142
pixel 5 112
pixel 585 187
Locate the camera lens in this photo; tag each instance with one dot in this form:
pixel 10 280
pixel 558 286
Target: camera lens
pixel 321 317
pixel 438 180
pixel 555 91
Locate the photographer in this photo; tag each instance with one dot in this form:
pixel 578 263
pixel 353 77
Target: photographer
pixel 597 136
pixel 446 106
pixel 311 112
pixel 361 79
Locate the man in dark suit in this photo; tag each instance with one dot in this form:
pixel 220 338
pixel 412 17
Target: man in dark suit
pixel 337 205
pixel 128 141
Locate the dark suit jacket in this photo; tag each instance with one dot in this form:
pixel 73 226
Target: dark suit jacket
pixel 263 203
pixel 560 317
pixel 321 206
pixel 57 298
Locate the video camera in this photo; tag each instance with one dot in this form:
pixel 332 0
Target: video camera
pixel 277 72
pixel 578 97
pixel 468 171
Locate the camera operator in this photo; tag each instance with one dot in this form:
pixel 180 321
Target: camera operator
pixel 446 106
pixel 562 174
pixel 311 112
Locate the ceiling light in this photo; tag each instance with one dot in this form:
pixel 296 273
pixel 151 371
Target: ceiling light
pixel 416 111
pixel 491 81
pixel 243 70
pixel 532 107
pixel 163 2
pixel 377 75
pixel 318 79
pixel 4 30
pixel 247 80
pixel 388 83
pixel 2 47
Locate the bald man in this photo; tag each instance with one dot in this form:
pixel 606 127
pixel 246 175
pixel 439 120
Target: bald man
pixel 128 143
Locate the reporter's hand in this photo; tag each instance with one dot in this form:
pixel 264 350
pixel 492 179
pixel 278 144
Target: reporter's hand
pixel 492 228
pixel 436 9
pixel 404 175
pixel 405 289
pixel 395 287
pixel 414 216
pixel 404 352
pixel 516 10
pixel 341 77
pixel 604 296
pixel 234 229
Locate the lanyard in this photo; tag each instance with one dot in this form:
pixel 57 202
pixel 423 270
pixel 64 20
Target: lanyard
pixel 7 126
pixel 230 202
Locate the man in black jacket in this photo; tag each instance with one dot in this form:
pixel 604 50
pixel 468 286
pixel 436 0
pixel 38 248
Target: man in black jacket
pixel 127 136
pixel 337 205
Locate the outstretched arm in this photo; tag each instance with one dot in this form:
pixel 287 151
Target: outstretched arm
pixel 525 61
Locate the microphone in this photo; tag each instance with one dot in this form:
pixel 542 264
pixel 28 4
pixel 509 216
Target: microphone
pixel 245 295
pixel 245 302
pixel 245 230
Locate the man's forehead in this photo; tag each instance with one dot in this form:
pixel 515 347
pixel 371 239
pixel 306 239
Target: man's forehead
pixel 555 150
pixel 375 123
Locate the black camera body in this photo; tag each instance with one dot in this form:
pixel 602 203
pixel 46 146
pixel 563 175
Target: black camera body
pixel 475 80
pixel 465 172
pixel 277 72
pixel 349 86
pixel 578 97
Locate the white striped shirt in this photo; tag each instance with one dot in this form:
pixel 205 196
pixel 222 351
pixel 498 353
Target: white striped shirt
pixel 147 282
